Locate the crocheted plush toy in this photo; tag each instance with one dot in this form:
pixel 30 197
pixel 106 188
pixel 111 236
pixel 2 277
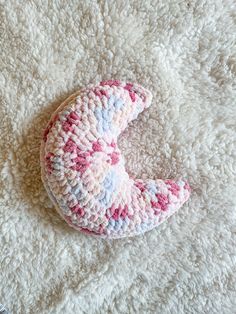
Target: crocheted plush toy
pixel 84 172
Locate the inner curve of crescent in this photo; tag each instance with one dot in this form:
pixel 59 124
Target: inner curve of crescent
pixel 84 172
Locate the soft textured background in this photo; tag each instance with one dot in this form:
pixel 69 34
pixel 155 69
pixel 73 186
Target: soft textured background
pixel 185 53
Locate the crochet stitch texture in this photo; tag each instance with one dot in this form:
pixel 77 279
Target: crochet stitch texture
pixel 84 172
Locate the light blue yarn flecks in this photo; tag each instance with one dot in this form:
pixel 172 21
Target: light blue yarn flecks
pixel 117 224
pixel 144 226
pixel 109 187
pixel 111 101
pixel 119 104
pixel 111 223
pixel 104 116
pixel 181 183
pixel 76 190
pixel 98 115
pixel 152 188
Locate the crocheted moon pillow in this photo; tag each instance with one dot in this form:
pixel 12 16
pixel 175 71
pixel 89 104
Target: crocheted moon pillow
pixel 84 172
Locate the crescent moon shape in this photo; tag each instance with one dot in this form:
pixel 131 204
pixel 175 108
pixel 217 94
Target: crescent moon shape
pixel 84 172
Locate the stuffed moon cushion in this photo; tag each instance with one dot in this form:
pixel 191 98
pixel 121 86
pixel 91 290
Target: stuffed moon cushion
pixel 84 172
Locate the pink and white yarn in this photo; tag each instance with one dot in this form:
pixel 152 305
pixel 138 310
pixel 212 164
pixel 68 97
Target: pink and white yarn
pixel 84 172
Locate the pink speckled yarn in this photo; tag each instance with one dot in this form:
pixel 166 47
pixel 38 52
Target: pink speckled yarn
pixel 84 171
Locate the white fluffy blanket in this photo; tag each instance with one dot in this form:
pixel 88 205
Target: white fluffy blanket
pixel 185 53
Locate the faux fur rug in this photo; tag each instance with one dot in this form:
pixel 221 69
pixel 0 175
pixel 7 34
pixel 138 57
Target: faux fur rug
pixel 185 53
